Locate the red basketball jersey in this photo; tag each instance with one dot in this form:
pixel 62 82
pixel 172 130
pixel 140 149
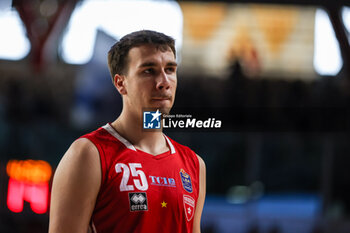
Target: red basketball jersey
pixel 141 192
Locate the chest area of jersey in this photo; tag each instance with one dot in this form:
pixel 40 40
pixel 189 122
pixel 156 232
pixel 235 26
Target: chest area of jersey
pixel 151 176
pixel 152 185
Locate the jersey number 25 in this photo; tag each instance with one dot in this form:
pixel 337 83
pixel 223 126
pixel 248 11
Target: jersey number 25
pixel 140 184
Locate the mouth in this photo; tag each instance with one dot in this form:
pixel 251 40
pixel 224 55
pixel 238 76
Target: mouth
pixel 162 98
pixel 162 102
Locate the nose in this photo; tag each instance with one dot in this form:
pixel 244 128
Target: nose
pixel 163 81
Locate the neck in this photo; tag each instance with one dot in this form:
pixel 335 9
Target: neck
pixel 129 126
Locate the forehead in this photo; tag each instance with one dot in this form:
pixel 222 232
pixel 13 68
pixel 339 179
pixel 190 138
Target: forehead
pixel 150 53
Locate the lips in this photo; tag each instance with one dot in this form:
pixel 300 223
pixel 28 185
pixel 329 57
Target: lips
pixel 160 98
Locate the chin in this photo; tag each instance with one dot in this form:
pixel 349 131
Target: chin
pixel 165 110
pixel 162 109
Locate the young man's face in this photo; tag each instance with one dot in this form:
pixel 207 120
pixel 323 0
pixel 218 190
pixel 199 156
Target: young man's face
pixel 151 79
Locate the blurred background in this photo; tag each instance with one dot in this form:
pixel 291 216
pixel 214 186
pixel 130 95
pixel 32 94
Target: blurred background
pixel 275 72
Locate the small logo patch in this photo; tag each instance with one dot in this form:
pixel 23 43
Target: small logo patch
pixel 138 202
pixel 186 181
pixel 163 181
pixel 189 204
pixel 151 120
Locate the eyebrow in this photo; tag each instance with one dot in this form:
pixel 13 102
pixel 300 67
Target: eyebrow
pixel 149 64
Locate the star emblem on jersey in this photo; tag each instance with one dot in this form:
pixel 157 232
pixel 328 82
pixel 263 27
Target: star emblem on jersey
pixel 164 204
pixel 189 204
pixel 151 119
pixel 138 202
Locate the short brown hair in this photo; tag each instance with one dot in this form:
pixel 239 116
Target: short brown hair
pixel 118 54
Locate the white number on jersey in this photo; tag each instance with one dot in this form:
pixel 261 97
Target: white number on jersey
pixel 126 174
pixel 140 184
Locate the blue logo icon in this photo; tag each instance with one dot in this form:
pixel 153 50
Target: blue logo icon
pixel 151 120
pixel 186 181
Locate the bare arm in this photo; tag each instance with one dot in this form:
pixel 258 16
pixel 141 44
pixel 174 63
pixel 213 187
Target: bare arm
pixel 75 187
pixel 201 196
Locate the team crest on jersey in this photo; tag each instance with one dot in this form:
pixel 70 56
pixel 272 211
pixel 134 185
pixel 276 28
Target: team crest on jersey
pixel 138 202
pixel 186 181
pixel 189 204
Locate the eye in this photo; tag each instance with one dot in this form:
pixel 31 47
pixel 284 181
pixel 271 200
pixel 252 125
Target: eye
pixel 149 71
pixel 170 70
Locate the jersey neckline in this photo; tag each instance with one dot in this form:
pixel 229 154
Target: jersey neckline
pixel 130 146
pixel 158 156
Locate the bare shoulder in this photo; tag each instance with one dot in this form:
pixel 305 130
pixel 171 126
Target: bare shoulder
pixel 202 174
pixel 82 147
pixel 81 161
pixel 75 187
pixel 81 152
pixel 201 162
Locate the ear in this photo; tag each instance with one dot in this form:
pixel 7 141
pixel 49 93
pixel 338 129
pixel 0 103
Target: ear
pixel 119 83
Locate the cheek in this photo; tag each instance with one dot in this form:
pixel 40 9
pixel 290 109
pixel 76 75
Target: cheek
pixel 174 83
pixel 141 91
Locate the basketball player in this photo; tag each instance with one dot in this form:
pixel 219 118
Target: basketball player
pixel 122 178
